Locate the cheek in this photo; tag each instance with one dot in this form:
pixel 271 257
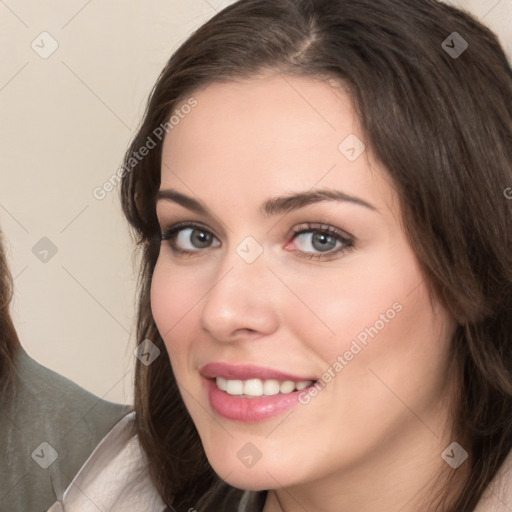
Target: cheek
pixel 394 345
pixel 173 299
pixel 357 301
pixel 377 317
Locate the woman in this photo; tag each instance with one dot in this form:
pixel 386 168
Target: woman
pixel 390 353
pixel 327 261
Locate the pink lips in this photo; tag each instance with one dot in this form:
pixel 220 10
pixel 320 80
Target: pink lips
pixel 245 372
pixel 248 410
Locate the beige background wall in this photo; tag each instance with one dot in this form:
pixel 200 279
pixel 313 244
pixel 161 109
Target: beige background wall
pixel 66 119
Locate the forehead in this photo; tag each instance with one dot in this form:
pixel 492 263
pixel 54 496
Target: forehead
pixel 265 113
pixel 268 134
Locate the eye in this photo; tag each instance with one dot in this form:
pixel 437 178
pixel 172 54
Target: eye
pixel 188 238
pixel 320 241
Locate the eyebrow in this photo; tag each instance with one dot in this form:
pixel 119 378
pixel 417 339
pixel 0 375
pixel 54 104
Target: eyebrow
pixel 274 205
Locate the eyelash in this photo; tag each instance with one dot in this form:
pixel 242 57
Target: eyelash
pixel 348 243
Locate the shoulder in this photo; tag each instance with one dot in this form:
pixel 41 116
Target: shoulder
pixel 114 477
pixel 43 396
pixel 52 425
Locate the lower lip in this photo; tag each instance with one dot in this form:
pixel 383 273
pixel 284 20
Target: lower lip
pixel 249 410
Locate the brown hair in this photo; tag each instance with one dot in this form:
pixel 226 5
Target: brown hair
pixel 441 124
pixel 9 342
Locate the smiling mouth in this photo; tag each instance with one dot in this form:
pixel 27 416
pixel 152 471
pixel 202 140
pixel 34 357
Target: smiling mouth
pixel 251 388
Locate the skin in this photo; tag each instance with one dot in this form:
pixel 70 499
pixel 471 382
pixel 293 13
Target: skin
pixel 372 438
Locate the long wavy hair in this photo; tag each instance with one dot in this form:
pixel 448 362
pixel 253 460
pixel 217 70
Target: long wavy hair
pixel 440 122
pixel 9 342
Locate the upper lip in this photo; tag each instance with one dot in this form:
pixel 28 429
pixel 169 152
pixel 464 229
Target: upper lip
pixel 246 372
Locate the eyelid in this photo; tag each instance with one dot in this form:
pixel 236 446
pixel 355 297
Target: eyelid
pixel 178 226
pixel 321 227
pixel 168 216
pixel 347 240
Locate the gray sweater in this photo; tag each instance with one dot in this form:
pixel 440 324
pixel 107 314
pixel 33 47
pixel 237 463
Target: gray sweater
pixel 48 428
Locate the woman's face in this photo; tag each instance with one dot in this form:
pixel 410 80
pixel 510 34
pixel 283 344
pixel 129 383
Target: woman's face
pixel 298 322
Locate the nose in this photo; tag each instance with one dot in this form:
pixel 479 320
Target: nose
pixel 241 302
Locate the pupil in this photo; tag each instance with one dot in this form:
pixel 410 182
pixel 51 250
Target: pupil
pixel 326 242
pixel 200 238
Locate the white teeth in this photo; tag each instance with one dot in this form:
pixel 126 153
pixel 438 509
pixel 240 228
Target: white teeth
pixel 222 383
pixel 287 386
pixel 258 387
pixel 253 387
pixel 270 387
pixel 234 387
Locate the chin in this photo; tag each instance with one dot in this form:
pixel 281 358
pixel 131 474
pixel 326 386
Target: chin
pixel 259 477
pixel 248 481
